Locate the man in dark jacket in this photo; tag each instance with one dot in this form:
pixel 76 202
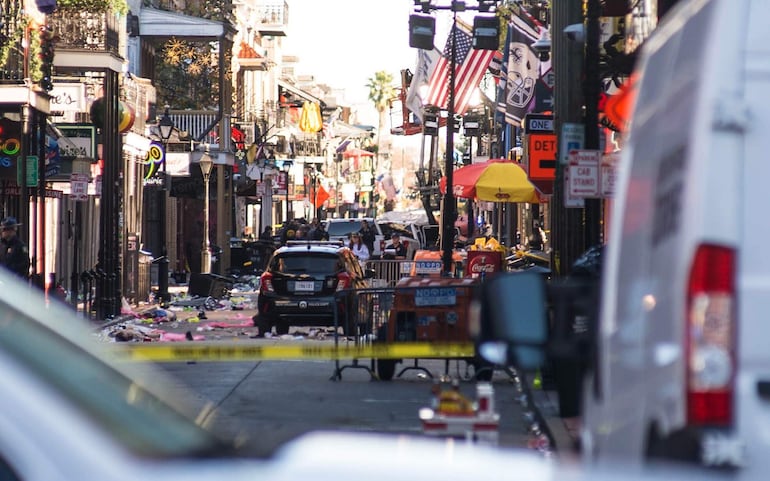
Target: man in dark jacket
pixel 367 236
pixel 14 255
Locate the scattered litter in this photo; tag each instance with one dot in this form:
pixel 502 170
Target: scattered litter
pixel 174 337
pixel 226 325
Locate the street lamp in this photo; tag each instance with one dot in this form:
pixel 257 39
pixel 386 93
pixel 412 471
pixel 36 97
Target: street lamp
pixel 206 164
pixel 485 35
pixel 165 126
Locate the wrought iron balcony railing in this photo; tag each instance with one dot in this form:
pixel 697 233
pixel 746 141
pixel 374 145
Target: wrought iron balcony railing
pixel 96 31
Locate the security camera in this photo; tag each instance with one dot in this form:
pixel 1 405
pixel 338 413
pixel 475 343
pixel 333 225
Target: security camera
pixel 575 32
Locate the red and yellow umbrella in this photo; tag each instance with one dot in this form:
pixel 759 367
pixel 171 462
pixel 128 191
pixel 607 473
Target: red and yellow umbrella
pixel 497 180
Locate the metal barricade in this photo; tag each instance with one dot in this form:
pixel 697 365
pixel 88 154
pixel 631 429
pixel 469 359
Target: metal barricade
pixel 389 271
pixel 429 313
pixel 363 315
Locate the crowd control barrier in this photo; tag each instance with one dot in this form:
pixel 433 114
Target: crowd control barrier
pixel 431 310
pixel 389 272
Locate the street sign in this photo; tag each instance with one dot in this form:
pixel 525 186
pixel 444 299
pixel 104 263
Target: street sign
pixel 79 187
pixel 32 171
pixel 609 173
pixel 541 156
pixel 572 138
pixel 538 123
pixel 584 173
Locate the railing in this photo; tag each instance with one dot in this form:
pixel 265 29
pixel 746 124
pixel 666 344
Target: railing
pixel 97 31
pixel 195 122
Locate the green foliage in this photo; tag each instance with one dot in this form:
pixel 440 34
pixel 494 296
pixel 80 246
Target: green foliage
pixel 117 6
pixel 187 75
pixel 381 90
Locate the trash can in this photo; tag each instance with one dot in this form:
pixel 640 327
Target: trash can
pixel 144 276
pixel 209 285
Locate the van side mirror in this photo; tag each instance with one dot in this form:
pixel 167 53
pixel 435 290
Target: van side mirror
pixel 509 321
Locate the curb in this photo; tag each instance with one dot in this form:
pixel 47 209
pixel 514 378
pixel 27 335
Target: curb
pixel 547 402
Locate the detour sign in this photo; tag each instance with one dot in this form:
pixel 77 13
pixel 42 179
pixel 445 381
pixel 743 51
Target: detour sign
pixel 541 149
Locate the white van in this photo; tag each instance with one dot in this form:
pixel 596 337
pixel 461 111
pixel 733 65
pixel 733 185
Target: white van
pixel 683 364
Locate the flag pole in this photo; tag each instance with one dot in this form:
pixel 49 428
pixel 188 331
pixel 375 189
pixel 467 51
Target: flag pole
pixel 448 208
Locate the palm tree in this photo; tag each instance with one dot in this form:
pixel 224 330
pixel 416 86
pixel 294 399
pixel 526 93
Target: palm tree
pixel 381 92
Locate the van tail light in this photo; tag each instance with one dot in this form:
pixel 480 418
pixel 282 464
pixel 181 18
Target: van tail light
pixel 711 337
pixel 266 282
pixel 343 281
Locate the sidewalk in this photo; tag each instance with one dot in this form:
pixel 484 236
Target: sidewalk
pixel 565 431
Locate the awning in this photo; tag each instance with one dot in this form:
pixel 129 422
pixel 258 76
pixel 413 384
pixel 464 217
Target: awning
pixel 291 88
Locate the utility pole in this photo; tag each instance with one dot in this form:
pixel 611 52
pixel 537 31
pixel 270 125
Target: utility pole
pixel 591 89
pixel 567 224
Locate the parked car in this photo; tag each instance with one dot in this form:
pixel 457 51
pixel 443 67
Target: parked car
pixel 409 234
pixel 299 285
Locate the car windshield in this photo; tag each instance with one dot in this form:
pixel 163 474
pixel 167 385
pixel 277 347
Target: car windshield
pixel 114 398
pixel 343 228
pixel 304 263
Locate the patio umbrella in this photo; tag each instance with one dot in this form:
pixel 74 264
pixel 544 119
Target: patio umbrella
pixel 497 180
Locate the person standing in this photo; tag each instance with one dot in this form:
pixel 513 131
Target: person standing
pixel 367 235
pixel 359 249
pixel 396 249
pixel 267 234
pixel 14 255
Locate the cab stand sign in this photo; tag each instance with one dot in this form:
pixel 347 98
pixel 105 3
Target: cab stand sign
pixel 591 174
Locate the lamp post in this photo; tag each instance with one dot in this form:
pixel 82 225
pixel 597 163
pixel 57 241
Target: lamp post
pixel 206 164
pixel 165 126
pixel 486 38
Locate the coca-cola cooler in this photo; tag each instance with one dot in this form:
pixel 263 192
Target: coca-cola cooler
pixel 483 262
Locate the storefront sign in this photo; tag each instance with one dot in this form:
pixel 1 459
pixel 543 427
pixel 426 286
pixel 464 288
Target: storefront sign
pixel 68 97
pixel 10 147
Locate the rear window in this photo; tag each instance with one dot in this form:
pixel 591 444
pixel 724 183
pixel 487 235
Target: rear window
pixel 343 228
pixel 306 263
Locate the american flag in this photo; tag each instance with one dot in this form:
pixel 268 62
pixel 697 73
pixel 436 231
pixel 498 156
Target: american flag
pixel 470 65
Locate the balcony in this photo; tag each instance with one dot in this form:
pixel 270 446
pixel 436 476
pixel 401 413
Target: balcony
pixel 92 31
pixel 273 17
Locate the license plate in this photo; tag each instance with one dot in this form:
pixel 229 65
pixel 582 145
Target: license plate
pixel 304 286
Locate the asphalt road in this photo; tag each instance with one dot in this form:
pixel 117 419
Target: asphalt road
pixel 272 402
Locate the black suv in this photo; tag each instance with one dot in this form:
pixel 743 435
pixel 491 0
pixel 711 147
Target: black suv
pixel 299 285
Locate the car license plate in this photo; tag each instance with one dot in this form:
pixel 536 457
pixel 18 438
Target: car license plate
pixel 307 286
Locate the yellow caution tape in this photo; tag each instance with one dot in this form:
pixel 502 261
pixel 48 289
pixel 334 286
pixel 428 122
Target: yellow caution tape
pixel 181 352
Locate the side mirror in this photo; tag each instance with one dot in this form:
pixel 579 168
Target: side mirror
pixel 508 321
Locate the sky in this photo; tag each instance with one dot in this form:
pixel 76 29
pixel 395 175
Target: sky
pixel 342 43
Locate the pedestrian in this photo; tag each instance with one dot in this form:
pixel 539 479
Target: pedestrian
pixel 319 233
pixel 359 249
pixel 367 235
pixel 248 233
pixel 267 234
pixel 538 238
pixel 14 255
pixel 396 249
